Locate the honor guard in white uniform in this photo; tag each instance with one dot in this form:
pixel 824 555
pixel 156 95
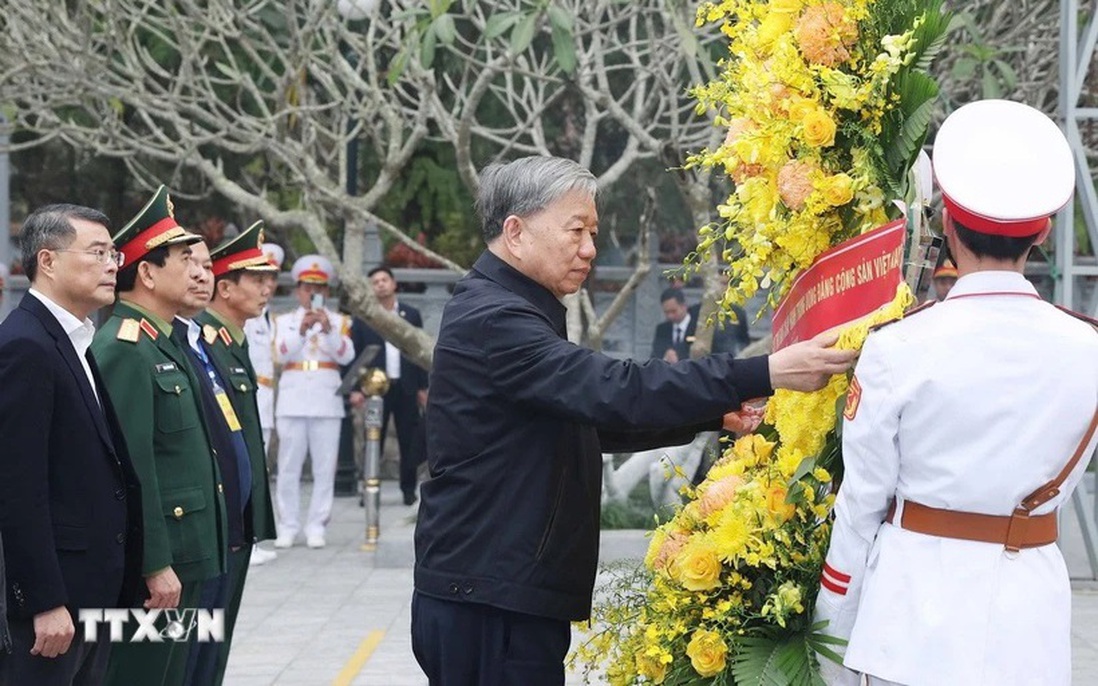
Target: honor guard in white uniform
pixel 310 345
pixel 966 427
pixel 260 333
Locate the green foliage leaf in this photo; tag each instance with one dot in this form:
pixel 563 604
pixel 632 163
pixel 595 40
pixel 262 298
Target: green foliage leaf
pixel 564 49
pixel 439 7
pixel 764 661
pixel 964 68
pixel 989 85
pixel 444 29
pixel 397 66
pixel 821 642
pixel 427 47
pixel 523 34
pixel 498 24
pixel 805 467
pixel 558 17
pixel 918 92
pixel 1010 77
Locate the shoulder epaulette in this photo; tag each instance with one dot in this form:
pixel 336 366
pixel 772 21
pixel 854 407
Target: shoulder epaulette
pixel 149 329
pixel 129 330
pixel 345 329
pixel 1078 315
pixel 907 313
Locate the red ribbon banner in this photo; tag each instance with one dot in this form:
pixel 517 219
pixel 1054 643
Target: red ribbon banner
pixel 843 284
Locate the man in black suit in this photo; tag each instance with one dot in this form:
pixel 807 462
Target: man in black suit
pixel 407 395
pixel 675 335
pixel 69 499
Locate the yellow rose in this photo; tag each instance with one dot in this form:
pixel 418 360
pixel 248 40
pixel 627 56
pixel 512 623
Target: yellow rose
pixel 697 567
pixel 707 652
pixel 819 129
pixel 775 502
pixel 837 190
pixel 651 666
pixel 800 108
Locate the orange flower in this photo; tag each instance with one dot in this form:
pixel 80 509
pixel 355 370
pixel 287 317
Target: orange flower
pixel 669 548
pixel 795 184
pixel 825 34
pixel 737 168
pixel 736 128
pixel 718 494
pixel 781 96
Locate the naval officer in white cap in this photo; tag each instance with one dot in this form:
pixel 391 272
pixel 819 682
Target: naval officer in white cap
pixel 311 343
pixel 966 427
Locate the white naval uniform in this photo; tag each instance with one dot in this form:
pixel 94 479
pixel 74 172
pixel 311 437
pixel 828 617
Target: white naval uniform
pixel 969 405
pixel 260 334
pixel 309 414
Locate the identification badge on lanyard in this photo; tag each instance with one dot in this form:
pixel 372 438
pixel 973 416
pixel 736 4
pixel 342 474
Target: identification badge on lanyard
pixel 227 410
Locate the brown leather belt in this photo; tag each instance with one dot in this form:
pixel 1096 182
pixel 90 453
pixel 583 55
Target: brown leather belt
pixel 1018 531
pixel 309 366
pixel 265 381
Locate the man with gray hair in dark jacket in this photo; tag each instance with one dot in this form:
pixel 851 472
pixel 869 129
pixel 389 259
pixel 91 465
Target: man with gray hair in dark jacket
pixel 508 530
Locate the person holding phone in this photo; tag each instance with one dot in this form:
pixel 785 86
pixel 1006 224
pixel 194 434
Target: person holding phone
pixel 310 343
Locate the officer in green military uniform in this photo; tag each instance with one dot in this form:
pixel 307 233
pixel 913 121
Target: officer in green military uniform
pixel 154 391
pixel 242 288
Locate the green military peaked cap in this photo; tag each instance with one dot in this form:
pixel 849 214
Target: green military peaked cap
pixel 153 227
pixel 242 252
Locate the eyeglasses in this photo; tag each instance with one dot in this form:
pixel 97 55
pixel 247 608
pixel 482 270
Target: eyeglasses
pixel 102 256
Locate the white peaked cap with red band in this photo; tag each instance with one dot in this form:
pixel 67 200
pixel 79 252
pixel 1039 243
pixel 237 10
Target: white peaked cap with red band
pixel 313 269
pixel 1004 168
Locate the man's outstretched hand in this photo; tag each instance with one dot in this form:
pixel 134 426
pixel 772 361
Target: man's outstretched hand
pixel 809 365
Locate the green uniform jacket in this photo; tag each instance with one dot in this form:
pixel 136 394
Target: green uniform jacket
pixel 154 391
pixel 234 365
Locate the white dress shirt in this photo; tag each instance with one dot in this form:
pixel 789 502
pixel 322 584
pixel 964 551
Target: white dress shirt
pixel 80 333
pixel 392 353
pixel 678 331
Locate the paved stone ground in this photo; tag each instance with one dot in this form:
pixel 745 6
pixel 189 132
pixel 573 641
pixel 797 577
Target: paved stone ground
pixel 341 616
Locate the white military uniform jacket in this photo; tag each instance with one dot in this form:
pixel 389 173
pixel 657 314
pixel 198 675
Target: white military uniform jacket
pixel 311 392
pixel 260 334
pixel 969 405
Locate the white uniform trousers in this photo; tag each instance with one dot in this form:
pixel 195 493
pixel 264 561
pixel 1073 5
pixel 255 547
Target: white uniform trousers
pixel 319 438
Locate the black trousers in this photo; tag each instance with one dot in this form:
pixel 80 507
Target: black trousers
pixel 83 664
pixel 467 644
pixel 401 405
